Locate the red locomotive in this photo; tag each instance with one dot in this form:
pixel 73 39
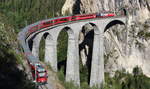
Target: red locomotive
pixel 39 73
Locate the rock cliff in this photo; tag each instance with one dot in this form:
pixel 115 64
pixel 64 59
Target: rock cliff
pixel 128 48
pixel 138 8
pixel 125 47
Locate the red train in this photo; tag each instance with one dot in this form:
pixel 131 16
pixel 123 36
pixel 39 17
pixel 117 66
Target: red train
pixel 44 24
pixel 39 73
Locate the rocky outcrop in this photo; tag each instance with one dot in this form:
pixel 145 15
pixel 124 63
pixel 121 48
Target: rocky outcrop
pixel 138 8
pixel 128 48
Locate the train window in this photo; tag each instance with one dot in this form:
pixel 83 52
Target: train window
pixel 98 14
pixel 48 22
pixel 33 71
pixel 73 17
pixel 86 15
pixel 42 74
pixel 63 19
pixel 56 20
pixel 83 16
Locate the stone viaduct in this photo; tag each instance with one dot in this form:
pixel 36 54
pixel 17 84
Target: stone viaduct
pixel 73 29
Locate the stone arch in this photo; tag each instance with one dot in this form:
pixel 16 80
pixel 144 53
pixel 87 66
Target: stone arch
pixel 70 36
pixel 112 23
pixel 70 32
pixel 35 40
pixel 96 30
pixel 125 12
pixel 97 63
pixel 113 31
pixel 47 44
pixel 109 44
pixel 62 40
pixel 44 46
pixel 72 57
pixel 30 44
pixel 87 35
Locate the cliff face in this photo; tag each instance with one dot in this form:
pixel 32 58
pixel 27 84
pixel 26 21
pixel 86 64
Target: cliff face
pixel 125 48
pixel 133 7
pixel 89 6
pixel 128 48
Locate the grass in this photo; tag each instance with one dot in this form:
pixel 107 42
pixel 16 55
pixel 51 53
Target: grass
pixel 121 80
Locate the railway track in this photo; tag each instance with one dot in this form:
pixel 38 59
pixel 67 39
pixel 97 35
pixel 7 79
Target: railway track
pixel 43 86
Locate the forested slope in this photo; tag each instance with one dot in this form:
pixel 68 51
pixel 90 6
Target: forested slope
pixel 12 75
pixel 15 15
pixel 25 12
